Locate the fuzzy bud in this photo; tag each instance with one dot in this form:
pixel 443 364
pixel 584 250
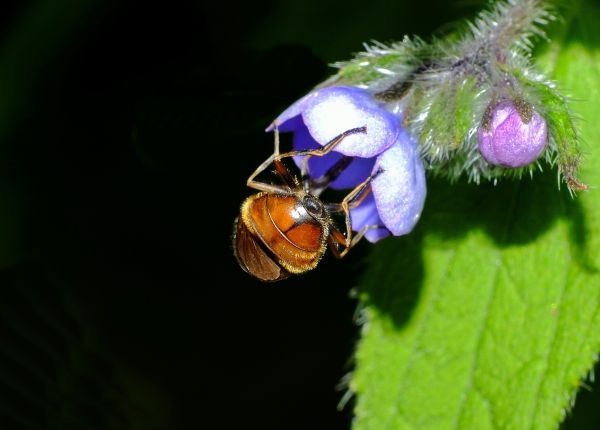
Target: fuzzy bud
pixel 512 136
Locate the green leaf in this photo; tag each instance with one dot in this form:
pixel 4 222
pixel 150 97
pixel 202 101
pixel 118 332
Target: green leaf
pixel 487 316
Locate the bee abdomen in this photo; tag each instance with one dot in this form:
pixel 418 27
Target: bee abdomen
pixel 295 240
pixel 253 256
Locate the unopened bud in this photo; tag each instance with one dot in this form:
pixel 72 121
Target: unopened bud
pixel 512 137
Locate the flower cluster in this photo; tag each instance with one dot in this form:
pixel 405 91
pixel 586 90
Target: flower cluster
pixel 398 189
pixel 462 97
pixel 507 137
pixel 470 105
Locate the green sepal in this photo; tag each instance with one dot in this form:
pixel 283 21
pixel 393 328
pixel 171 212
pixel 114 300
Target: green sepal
pixel 564 143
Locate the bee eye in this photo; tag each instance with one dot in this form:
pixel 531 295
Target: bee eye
pixel 313 205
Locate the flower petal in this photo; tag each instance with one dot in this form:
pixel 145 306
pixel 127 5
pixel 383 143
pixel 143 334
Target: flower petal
pixel 399 190
pixel 333 110
pixel 294 110
pixel 358 170
pixel 366 214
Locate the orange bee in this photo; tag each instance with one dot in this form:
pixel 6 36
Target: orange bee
pixel 285 229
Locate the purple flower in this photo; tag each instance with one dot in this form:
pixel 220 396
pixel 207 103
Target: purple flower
pixel 398 190
pixel 327 112
pixel 509 140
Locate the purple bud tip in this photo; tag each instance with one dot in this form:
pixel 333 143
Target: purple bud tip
pixel 507 139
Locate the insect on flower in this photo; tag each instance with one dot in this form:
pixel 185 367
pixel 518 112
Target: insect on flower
pixel 285 229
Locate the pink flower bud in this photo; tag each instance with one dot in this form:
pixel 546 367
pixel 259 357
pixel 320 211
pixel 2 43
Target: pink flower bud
pixel 511 137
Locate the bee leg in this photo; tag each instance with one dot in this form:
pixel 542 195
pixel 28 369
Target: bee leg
pixel 352 200
pixel 276 158
pixel 338 242
pixel 324 150
pixel 280 168
pixel 320 184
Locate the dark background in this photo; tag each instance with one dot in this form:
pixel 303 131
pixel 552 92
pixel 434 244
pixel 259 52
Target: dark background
pixel 127 131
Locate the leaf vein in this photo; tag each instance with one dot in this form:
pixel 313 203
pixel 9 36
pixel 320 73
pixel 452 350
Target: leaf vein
pixel 416 341
pixel 553 342
pixel 474 362
pixel 486 315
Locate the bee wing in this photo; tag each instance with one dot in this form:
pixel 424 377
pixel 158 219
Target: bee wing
pixel 252 256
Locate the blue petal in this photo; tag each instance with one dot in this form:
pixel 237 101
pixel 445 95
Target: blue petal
pixel 330 111
pixel 365 215
pixel 333 110
pixel 293 124
pixel 291 112
pixel 399 190
pixel 358 170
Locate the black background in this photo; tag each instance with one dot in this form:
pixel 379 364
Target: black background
pixel 127 131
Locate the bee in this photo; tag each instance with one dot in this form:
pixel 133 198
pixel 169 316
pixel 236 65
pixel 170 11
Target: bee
pixel 284 230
